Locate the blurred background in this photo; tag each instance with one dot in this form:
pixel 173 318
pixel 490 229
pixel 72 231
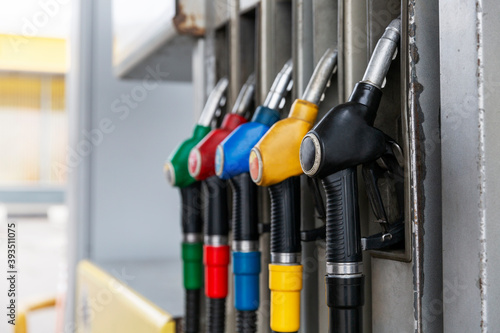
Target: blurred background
pixel 74 133
pixel 34 62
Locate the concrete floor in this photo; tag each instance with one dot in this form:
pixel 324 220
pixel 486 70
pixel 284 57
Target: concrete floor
pixel 41 258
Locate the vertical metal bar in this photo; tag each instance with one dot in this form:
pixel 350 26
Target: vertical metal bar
pixel 79 102
pixel 470 144
pixel 491 214
pixel 199 77
pixel 303 65
pixel 266 70
pixel 303 62
pixel 235 80
pixel 325 35
pixel 354 43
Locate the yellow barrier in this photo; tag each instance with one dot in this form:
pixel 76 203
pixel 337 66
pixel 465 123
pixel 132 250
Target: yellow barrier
pixel 106 305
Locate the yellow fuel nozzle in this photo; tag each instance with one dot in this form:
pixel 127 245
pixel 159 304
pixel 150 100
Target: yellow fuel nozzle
pixel 276 156
pixel 275 160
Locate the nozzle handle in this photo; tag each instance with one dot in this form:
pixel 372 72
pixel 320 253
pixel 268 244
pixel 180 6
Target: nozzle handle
pixel 191 215
pixel 285 221
pixel 343 231
pixel 245 213
pixel 344 280
pixel 216 219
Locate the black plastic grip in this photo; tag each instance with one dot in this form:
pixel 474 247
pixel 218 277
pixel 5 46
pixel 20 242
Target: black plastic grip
pixel 343 231
pixel 191 215
pixel 246 321
pixel 192 314
pixel 216 315
pixel 245 213
pixel 345 299
pixel 285 216
pixel 215 194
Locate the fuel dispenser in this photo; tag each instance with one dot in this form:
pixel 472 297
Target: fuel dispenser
pixel 176 172
pixel 216 254
pixel 274 162
pixel 331 151
pixel 231 163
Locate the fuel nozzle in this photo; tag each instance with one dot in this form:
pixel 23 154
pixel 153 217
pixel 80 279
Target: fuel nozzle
pixel 274 161
pixel 345 136
pixel 232 153
pixel 331 151
pixel 232 163
pixel 216 254
pixel 275 157
pixel 176 171
pixel 202 156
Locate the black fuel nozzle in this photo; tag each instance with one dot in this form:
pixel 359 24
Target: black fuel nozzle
pixel 331 151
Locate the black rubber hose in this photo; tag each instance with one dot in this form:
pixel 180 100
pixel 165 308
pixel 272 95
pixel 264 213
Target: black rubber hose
pixel 245 212
pixel 345 299
pixel 285 216
pixel 192 221
pixel 216 315
pixel 246 321
pixel 216 220
pixel 192 314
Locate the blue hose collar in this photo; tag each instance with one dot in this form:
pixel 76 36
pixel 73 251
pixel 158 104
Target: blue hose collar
pixel 246 269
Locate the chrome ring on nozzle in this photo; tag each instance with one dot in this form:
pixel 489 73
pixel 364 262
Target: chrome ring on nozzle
pixel 383 55
pixel 280 87
pixel 321 77
pixel 245 96
pixel 213 102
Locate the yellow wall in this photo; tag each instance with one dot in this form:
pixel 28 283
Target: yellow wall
pixel 33 54
pixel 31 80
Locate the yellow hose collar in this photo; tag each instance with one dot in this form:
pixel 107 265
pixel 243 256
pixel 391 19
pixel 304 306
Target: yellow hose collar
pixel 285 283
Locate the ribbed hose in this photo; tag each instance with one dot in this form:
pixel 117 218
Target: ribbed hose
pixel 275 192
pixel 344 292
pixel 216 315
pixel 192 223
pixel 192 314
pixel 246 321
pixel 285 216
pixel 216 221
pixel 245 211
pixel 191 209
